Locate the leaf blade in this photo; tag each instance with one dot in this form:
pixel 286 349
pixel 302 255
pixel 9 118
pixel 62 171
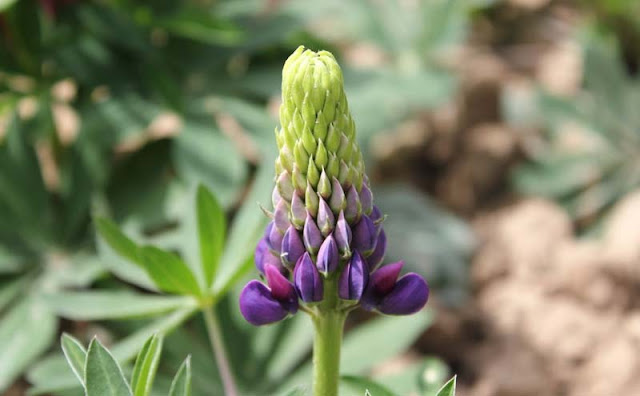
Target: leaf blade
pixel 75 354
pixel 181 384
pixel 212 227
pixel 169 272
pixel 103 375
pixel 146 366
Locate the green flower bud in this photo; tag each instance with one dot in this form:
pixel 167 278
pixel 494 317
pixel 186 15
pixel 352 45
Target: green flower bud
pixel 316 140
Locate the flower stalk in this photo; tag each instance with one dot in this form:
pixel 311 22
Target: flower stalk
pixel 321 252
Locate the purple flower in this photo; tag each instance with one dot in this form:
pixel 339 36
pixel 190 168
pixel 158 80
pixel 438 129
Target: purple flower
pixel 292 247
pixel 365 236
pixel 353 279
pixel 328 256
pixel 263 257
pixel 311 235
pixel 262 305
pixel 392 296
pixel 342 234
pixel 307 280
pixel 375 259
pixel 326 219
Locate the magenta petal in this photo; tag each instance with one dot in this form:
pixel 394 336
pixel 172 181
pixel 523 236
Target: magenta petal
pixel 353 279
pixel 258 306
pixel 281 289
pixel 292 247
pixel 383 280
pixel 408 296
pixel 328 256
pixel 307 280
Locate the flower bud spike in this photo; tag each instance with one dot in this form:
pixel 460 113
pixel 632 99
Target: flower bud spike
pixel 344 174
pixel 328 256
pixel 311 200
pixel 353 211
pixel 338 201
pixel 311 236
pixel 324 185
pixel 342 235
pixel 321 155
pixel 333 167
pixel 298 212
pixel 353 279
pixel 275 197
pixel 292 248
pixel 307 280
pixel 326 219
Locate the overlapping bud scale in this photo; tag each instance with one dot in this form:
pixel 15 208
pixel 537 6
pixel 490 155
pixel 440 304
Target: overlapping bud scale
pixel 324 225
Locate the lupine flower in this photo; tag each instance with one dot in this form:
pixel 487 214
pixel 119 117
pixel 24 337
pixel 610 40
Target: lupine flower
pixel 324 227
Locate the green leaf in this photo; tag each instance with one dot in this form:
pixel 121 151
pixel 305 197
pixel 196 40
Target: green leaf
pixel 75 354
pixel 101 305
pixel 146 366
pixel 118 241
pixel 169 272
pixel 212 227
pixel 246 230
pixel 448 389
pixel 297 391
pixel 357 354
pixel 128 347
pixel 103 375
pixel 26 331
pixel 355 385
pixel 181 384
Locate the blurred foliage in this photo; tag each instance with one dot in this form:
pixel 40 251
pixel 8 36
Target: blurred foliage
pixel 590 158
pixel 121 108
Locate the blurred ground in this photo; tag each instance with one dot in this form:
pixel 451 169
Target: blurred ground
pixel 550 313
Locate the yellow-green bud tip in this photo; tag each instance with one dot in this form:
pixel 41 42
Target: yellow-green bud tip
pixel 317 132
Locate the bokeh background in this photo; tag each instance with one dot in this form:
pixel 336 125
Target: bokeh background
pixel 502 138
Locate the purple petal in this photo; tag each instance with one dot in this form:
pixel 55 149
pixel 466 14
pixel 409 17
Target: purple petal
pixel 275 197
pixel 281 289
pixel 365 236
pixel 292 247
pixel 354 279
pixel 328 256
pixel 307 280
pixel 338 200
pixel 311 235
pixel 342 234
pixel 326 220
pixel 378 254
pixel 408 296
pixel 275 238
pixel 258 256
pixel 258 306
pixel 354 208
pixel 281 216
pixel 366 199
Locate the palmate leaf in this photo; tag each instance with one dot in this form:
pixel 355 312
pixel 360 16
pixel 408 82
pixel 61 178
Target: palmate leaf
pixel 590 160
pixel 169 272
pixel 355 385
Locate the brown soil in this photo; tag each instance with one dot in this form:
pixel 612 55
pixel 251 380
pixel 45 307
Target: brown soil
pixel 550 314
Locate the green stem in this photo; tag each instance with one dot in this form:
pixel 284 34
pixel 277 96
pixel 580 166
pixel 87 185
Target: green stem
pixel 328 323
pixel 217 346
